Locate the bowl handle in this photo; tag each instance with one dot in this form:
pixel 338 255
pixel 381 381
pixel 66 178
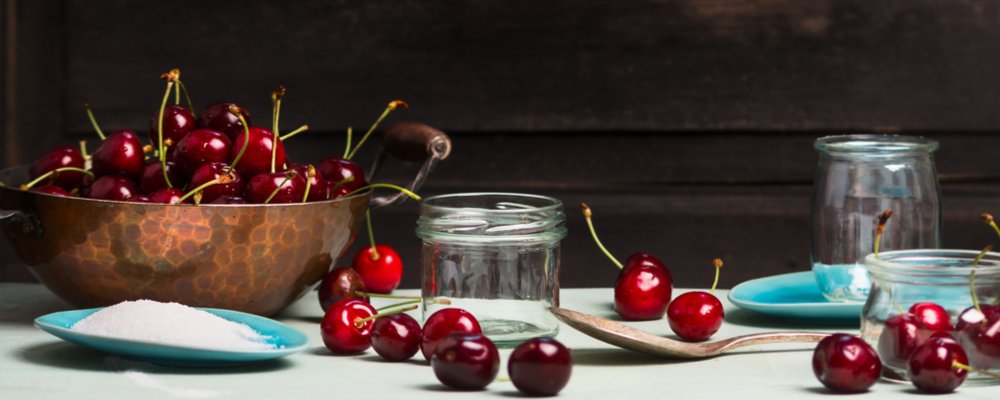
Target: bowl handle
pixel 413 142
pixel 29 223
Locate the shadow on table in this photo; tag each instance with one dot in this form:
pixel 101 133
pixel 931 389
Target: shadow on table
pixel 742 317
pixel 618 357
pixel 71 356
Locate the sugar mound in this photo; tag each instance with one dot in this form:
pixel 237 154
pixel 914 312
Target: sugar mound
pixel 171 324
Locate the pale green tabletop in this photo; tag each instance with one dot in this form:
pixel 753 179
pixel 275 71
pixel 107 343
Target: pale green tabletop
pixel 35 365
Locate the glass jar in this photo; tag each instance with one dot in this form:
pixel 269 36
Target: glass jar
pixel 495 255
pixel 903 278
pixel 858 177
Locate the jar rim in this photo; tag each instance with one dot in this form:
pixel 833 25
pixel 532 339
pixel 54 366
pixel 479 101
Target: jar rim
pixel 874 144
pixel 919 262
pixel 554 203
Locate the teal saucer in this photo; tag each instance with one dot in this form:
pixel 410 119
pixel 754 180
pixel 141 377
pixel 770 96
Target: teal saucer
pixel 286 340
pixel 793 295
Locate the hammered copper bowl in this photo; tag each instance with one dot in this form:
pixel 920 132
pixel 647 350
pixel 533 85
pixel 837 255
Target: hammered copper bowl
pixel 251 258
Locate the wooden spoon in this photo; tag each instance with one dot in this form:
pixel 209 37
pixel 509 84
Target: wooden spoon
pixel 630 338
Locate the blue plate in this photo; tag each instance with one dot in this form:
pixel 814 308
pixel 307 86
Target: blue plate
pixel 286 340
pixel 794 295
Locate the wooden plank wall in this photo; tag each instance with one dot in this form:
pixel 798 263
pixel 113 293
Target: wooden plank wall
pixel 686 124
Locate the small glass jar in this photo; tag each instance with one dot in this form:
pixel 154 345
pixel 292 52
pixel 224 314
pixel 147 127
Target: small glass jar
pixel 902 278
pixel 858 177
pixel 495 255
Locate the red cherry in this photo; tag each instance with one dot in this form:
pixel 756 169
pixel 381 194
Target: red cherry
pixel 695 316
pixel 119 154
pixel 218 117
pixel 466 361
pixel 341 331
pixel 339 284
pixel 899 338
pixel 177 122
pixel 396 337
pixel 167 196
pixel 643 288
pixel 151 179
pixel 257 156
pixel 279 187
pixel 981 340
pixel 381 274
pixel 540 367
pixel 140 198
pixel 972 316
pixel 200 147
pixel 113 187
pixel 932 367
pixel 443 322
pixel 336 169
pixel 320 189
pixel 59 157
pixel 845 363
pixel 230 185
pixel 932 316
pixel 51 189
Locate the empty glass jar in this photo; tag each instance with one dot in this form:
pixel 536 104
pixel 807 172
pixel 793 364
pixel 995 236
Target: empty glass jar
pixel 495 255
pixel 857 178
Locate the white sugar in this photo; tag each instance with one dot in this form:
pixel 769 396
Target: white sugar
pixel 171 324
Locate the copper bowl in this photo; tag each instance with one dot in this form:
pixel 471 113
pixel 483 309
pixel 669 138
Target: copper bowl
pixel 251 258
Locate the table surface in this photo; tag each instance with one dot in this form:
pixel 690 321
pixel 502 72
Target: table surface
pixel 36 365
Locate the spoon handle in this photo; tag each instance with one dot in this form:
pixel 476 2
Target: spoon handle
pixel 767 338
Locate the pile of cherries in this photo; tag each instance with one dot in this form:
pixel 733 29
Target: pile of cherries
pixel 213 157
pixel 451 340
pixel 643 292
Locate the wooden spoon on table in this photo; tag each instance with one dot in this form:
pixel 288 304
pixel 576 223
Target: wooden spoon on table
pixel 630 338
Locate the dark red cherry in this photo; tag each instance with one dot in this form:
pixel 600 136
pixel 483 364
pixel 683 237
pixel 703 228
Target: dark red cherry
pixel 279 187
pixel 695 316
pixel 932 317
pixel 643 288
pixel 119 154
pixel 336 169
pixel 231 184
pixel 845 363
pixel 113 187
pixel 228 200
pixel 52 189
pixel 218 117
pixel 341 283
pixel 466 361
pixel 540 367
pixel 151 179
pixel 443 322
pixel 200 147
pixel 59 157
pixel 932 369
pixel 899 338
pixel 177 122
pixel 167 196
pixel 381 274
pixel 320 189
pixel 972 316
pixel 981 341
pixel 342 331
pixel 256 158
pixel 140 198
pixel 396 337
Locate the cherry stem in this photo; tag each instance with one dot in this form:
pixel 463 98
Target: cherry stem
pixel 276 99
pixel 718 266
pixel 53 173
pixel 371 235
pixel 187 97
pixel 177 95
pixel 405 303
pixel 880 222
pixel 587 214
pixel 347 149
pixel 310 174
pixel 219 180
pixel 343 182
pixel 170 77
pixel 989 220
pixel 957 365
pixel 288 176
pixel 358 323
pixel 93 121
pixel 83 149
pixel 972 277
pixel 297 131
pixel 385 296
pixel 405 191
pixel 392 106
pixel 246 132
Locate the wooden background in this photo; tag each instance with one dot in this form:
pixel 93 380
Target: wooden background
pixel 686 124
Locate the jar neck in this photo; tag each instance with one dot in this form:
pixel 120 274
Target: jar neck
pixel 875 146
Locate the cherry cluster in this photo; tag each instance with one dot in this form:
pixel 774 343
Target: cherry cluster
pixel 451 340
pixel 213 157
pixel 643 292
